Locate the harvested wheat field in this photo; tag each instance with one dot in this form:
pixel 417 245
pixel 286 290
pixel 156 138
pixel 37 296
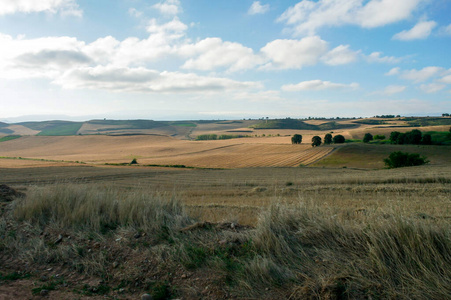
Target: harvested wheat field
pixel 164 150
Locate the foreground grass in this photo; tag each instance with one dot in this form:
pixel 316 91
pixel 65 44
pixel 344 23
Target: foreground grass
pixel 301 251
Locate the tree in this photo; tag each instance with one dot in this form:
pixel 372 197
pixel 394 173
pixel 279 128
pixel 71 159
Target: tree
pixel 328 139
pixel 400 159
pixel 367 138
pixel 427 139
pixel 316 141
pixel 413 137
pixel 394 137
pixel 296 139
pixel 339 139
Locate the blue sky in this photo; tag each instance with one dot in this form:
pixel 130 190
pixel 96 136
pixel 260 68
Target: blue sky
pixel 203 59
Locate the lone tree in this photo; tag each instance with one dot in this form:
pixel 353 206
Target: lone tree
pixel 296 139
pixel 316 141
pixel 367 138
pixel 328 139
pixel 339 139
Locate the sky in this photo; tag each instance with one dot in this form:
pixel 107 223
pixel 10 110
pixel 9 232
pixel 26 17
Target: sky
pixel 223 59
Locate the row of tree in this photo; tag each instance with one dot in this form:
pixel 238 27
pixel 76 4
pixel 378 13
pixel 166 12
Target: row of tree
pixel 414 137
pixel 316 140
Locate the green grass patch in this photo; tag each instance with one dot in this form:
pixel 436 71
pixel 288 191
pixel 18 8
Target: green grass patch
pixel 371 155
pixel 427 121
pixel 9 138
pixel 440 137
pixel 14 276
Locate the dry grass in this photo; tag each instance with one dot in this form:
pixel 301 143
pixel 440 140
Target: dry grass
pixel 305 250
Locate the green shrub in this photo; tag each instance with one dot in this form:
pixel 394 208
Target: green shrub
pixel 400 159
pixel 367 138
pixel 379 137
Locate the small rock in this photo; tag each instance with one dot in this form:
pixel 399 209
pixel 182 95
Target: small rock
pixel 137 235
pixel 222 242
pixel 146 297
pixel 121 290
pixel 59 239
pixel 184 276
pixel 115 264
pixel 44 293
pixel 232 225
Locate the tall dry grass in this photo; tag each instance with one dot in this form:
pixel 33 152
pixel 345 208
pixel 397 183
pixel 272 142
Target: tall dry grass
pixel 303 251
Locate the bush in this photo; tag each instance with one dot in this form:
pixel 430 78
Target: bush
pixel 339 139
pixel 134 162
pixel 400 159
pixel 367 138
pixel 296 139
pixel 427 139
pixel 379 137
pixel 316 141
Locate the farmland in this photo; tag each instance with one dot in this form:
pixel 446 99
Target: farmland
pixel 252 217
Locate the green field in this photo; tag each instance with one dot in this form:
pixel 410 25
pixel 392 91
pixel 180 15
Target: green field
pixel 9 138
pixel 360 155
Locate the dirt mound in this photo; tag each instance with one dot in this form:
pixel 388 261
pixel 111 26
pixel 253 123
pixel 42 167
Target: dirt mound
pixel 8 194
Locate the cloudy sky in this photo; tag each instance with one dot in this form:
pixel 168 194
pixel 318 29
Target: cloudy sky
pixel 204 59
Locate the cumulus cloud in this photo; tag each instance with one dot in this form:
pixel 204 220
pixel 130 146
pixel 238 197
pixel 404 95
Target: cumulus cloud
pixel 376 57
pixel 420 31
pixel 340 55
pixel 394 71
pixel 394 89
pixel 134 12
pixel 144 80
pixel 417 75
pixel 169 7
pixel 432 87
pixel 446 79
pixel 294 54
pixel 446 30
pixel 317 85
pixel 212 53
pixel 421 75
pixel 307 16
pixel 64 7
pixel 258 8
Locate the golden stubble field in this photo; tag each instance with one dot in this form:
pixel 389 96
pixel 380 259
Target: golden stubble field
pixel 243 175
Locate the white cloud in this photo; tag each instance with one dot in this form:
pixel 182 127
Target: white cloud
pixel 64 7
pixel 446 30
pixel 394 71
pixel 376 57
pixel 432 87
pixel 212 53
pixel 169 7
pixel 394 89
pixel 307 16
pixel 257 8
pixel 294 54
pixel 420 31
pixel 134 12
pixel 144 80
pixel 446 79
pixel 340 55
pixel 317 85
pixel 421 75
